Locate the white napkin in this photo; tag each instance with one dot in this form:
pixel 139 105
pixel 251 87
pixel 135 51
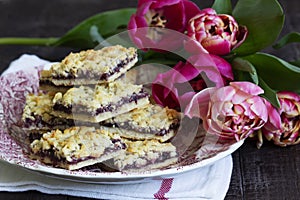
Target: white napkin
pixel 209 182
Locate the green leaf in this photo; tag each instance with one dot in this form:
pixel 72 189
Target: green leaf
pixel 288 38
pixel 295 63
pixel 269 94
pixel 222 6
pixel 93 30
pixel 244 70
pixel 277 73
pixel 264 20
pixel 247 72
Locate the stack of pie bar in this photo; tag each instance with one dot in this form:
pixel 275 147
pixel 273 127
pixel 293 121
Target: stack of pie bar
pixel 86 114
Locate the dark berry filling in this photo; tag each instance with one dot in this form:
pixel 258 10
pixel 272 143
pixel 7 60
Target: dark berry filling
pixel 107 108
pixel 97 76
pixel 149 130
pixel 56 161
pixel 163 156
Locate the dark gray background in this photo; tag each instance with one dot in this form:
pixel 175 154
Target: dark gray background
pixel 269 173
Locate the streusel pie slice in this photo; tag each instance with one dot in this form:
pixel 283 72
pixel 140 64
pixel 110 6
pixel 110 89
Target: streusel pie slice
pixel 145 155
pixel 37 114
pixel 90 67
pixel 77 147
pixel 37 117
pixel 148 122
pixel 101 102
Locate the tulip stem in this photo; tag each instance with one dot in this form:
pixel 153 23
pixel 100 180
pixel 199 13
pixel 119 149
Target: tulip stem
pixel 28 41
pixel 260 139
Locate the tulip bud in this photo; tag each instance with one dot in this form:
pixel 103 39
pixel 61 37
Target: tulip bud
pixel 288 117
pixel 218 34
pixel 232 112
pixel 151 25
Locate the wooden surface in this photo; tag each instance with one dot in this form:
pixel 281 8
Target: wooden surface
pixel 269 173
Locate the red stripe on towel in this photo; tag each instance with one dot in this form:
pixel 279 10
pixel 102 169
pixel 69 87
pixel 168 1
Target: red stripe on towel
pixel 165 187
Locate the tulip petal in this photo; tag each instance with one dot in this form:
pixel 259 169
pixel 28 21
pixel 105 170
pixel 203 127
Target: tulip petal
pixel 247 87
pixel 143 7
pixel 193 46
pixel 224 94
pixel 186 72
pixel 216 45
pixel 198 106
pixel 204 63
pixel 260 109
pixel 223 66
pixel 274 120
pixel 185 99
pixel 288 95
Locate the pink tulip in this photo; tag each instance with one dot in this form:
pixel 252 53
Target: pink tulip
pixel 284 123
pixel 151 25
pixel 176 87
pixel 218 34
pixel 230 112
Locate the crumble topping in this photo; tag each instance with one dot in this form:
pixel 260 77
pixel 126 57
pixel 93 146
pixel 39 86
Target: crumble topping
pixel 92 62
pixel 143 147
pixel 150 118
pixel 38 105
pixel 37 114
pixel 141 153
pixel 76 143
pixel 95 97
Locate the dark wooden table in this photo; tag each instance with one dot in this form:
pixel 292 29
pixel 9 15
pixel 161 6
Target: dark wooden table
pixel 269 173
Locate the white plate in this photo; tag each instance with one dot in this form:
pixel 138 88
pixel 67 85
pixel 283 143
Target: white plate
pixel 12 153
pixel 203 151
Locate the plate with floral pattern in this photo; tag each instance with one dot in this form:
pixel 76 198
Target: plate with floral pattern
pixel 200 150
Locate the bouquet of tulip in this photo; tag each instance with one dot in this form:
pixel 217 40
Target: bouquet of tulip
pixel 217 72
